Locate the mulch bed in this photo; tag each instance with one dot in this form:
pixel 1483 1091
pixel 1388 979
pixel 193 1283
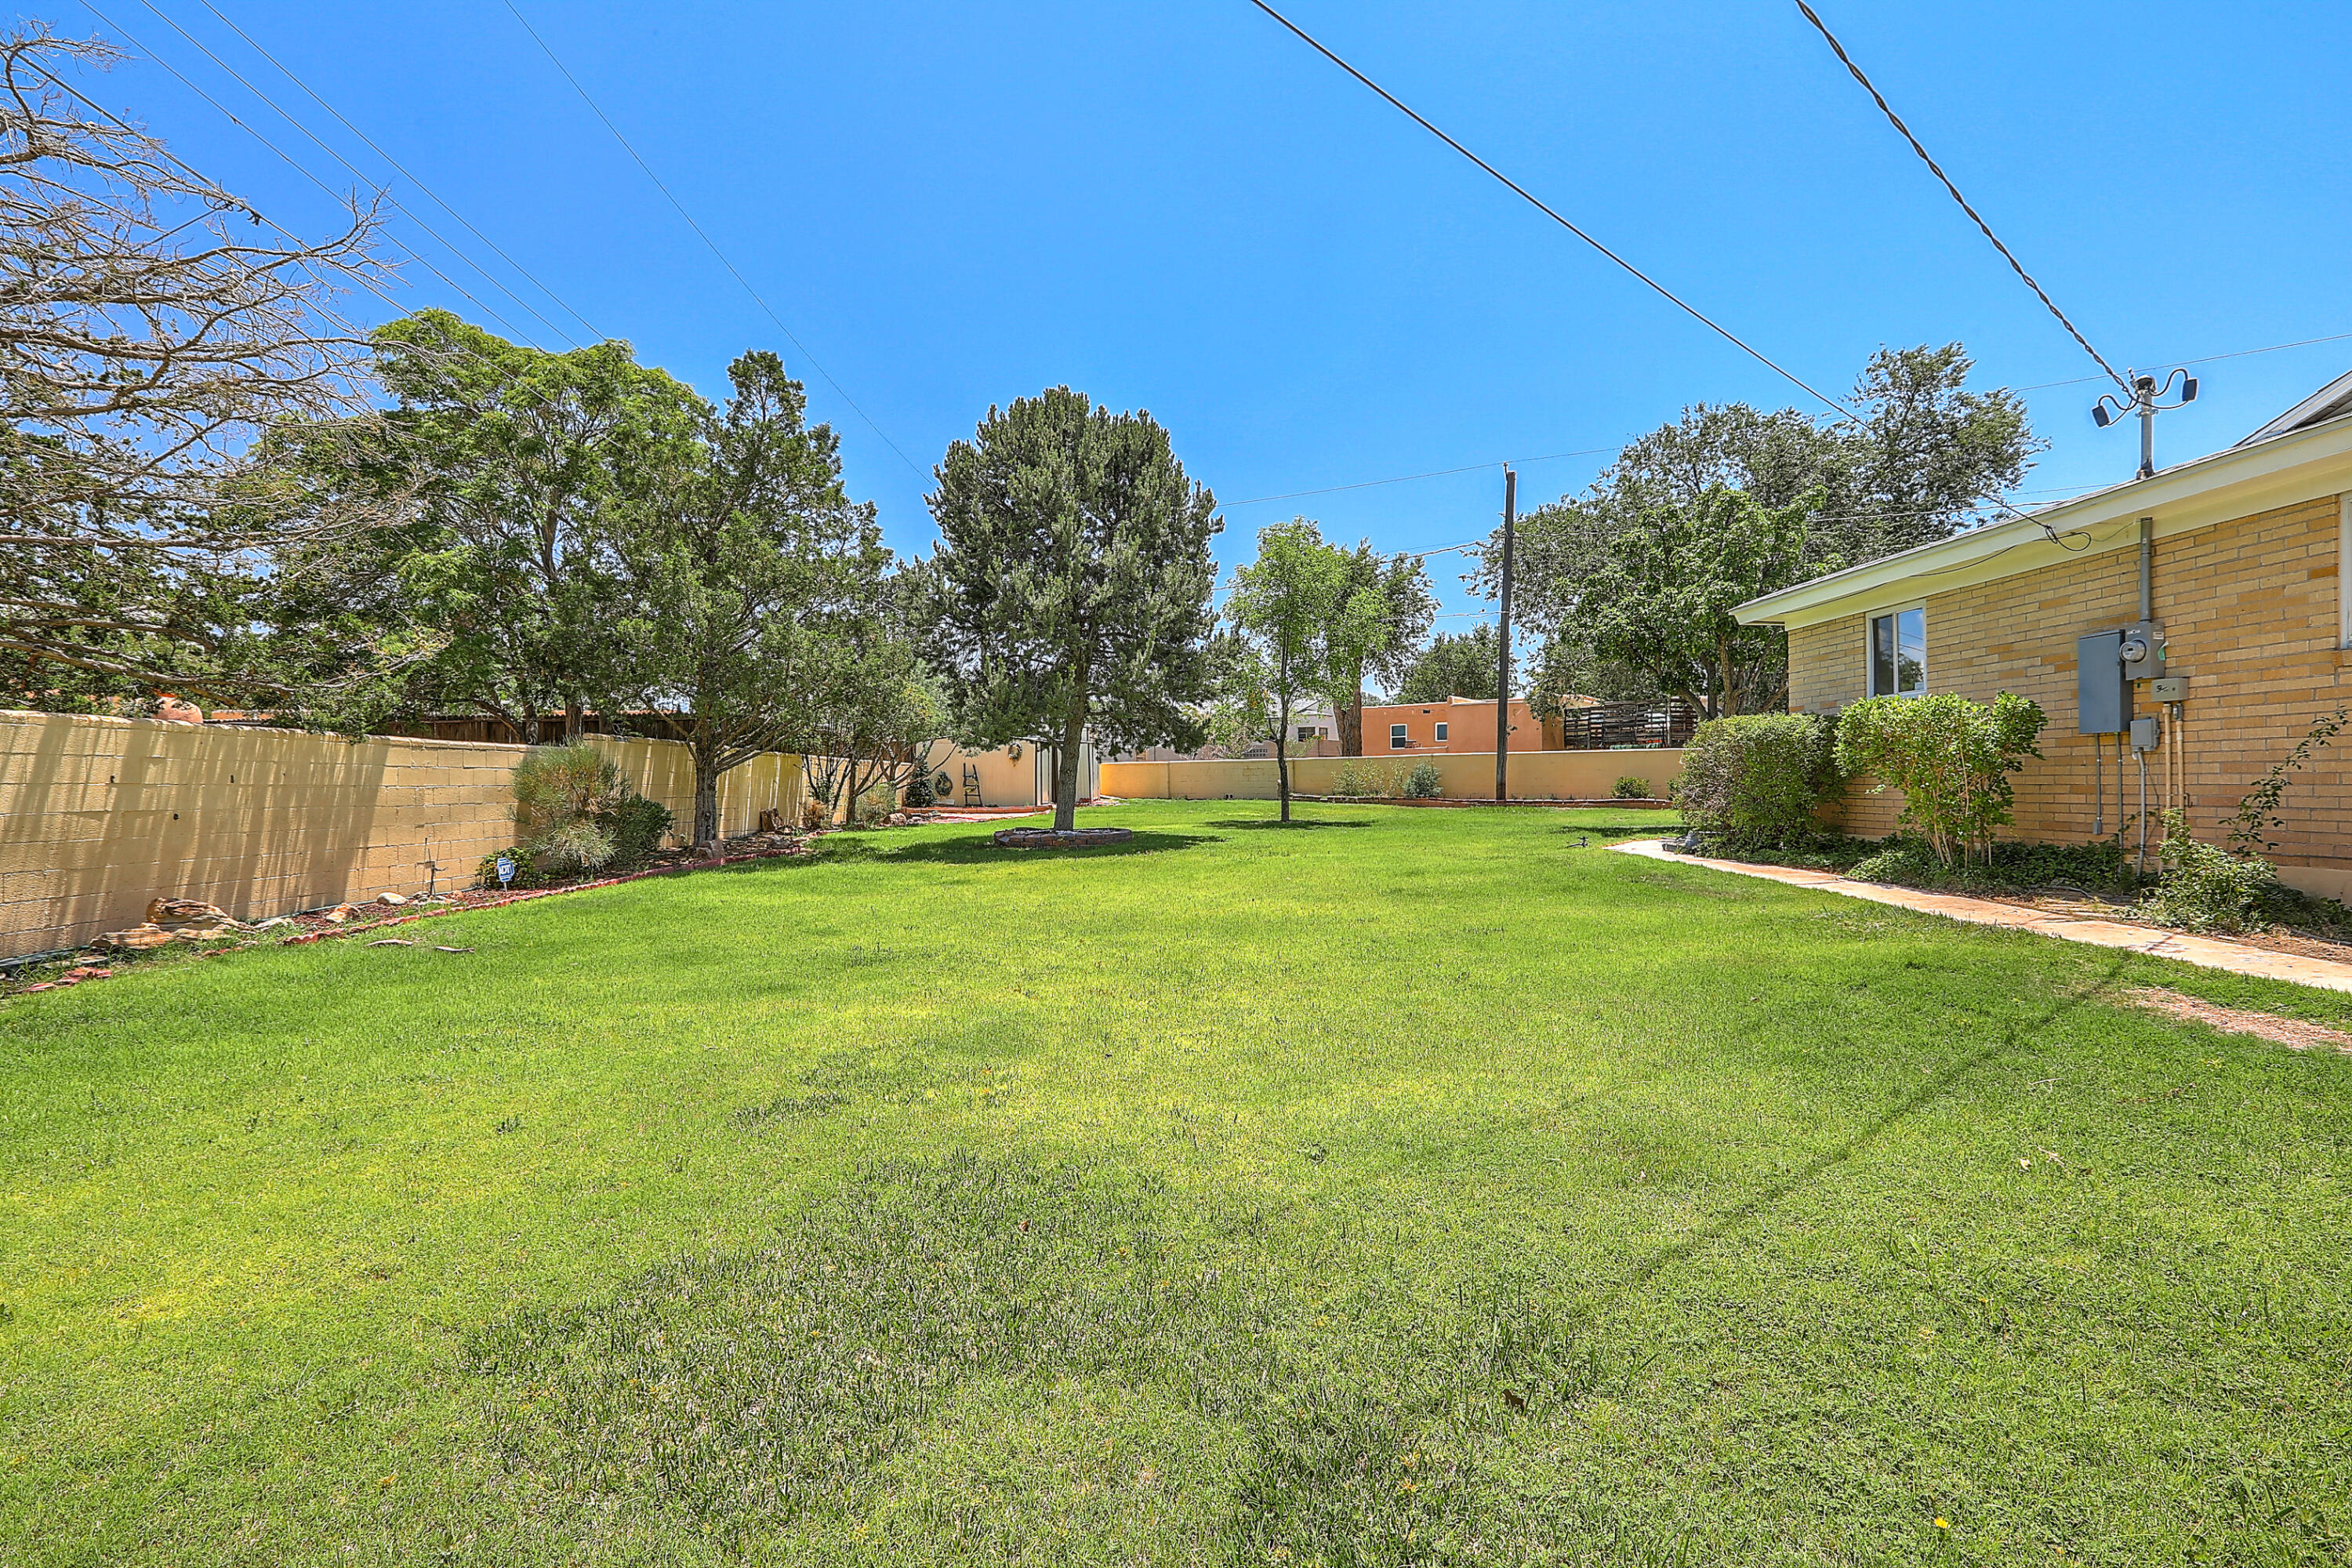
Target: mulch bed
pixel 1051 838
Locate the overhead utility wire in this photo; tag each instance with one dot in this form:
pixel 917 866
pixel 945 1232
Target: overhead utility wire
pixel 356 172
pixel 1936 168
pixel 437 197
pixel 184 167
pixel 2208 359
pixel 1524 194
pixel 292 161
pixel 625 146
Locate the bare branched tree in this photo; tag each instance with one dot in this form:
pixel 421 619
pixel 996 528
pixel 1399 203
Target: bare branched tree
pixel 154 330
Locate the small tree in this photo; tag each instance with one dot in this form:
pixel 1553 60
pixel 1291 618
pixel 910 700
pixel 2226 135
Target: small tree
pixel 1070 590
pixel 1385 608
pixel 1290 603
pixel 748 573
pixel 1950 757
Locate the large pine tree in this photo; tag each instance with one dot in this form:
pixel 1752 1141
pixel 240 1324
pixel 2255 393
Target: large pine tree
pixel 1069 594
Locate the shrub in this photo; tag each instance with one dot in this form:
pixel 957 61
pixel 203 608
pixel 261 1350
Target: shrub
pixel 1630 788
pixel 576 813
pixel 918 795
pixel 1360 777
pixel 1950 757
pixel 2208 889
pixel 1423 783
pixel 1756 778
pixel 637 825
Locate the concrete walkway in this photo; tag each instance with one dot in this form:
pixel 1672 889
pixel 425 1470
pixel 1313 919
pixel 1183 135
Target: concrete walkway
pixel 2211 952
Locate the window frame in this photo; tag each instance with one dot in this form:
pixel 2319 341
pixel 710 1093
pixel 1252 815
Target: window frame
pixel 1441 731
pixel 1398 739
pixel 2343 566
pixel 1870 653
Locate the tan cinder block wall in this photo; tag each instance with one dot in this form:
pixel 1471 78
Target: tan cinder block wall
pixel 1464 776
pixel 2250 614
pixel 99 816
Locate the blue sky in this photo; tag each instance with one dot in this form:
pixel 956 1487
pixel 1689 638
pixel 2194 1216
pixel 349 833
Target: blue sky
pixel 1177 206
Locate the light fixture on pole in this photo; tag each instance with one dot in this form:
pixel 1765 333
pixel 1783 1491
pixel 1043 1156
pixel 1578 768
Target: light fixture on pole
pixel 2143 402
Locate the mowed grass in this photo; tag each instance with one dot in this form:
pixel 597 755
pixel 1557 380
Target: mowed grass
pixel 1406 1186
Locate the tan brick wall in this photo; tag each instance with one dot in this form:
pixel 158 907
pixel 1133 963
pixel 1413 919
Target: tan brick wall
pixel 2250 614
pixel 99 815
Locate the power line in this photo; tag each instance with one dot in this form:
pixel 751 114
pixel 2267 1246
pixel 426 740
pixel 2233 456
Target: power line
pixel 1936 168
pixel 318 142
pixel 292 161
pixel 287 73
pixel 1402 479
pixel 1522 192
pixel 2208 359
pixel 625 146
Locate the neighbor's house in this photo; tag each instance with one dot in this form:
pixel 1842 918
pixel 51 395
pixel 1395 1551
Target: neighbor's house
pixel 1456 724
pixel 2245 567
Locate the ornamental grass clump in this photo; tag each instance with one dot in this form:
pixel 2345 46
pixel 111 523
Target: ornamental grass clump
pixel 1950 757
pixel 1754 779
pixel 576 813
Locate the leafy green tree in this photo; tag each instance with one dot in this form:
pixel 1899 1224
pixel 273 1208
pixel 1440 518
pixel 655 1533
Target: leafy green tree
pixel 1070 590
pixel 496 593
pixel 1921 458
pixel 1455 664
pixel 748 580
pixel 1241 711
pixel 1293 604
pixel 1385 609
pixel 1951 758
pixel 1661 602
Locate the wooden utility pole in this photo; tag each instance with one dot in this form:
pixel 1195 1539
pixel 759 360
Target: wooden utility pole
pixel 1503 641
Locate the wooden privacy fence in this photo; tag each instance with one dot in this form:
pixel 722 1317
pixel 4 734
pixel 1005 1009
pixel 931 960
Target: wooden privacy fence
pixel 1462 775
pixel 99 815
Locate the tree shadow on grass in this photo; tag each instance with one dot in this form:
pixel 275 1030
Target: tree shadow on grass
pixel 966 849
pixel 1300 823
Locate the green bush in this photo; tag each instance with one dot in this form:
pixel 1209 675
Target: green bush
pixel 1358 776
pixel 918 795
pixel 1423 783
pixel 1756 778
pixel 1950 757
pixel 576 813
pixel 2208 889
pixel 1630 788
pixel 637 825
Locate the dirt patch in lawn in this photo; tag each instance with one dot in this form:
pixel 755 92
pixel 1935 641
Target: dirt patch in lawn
pixel 2291 1033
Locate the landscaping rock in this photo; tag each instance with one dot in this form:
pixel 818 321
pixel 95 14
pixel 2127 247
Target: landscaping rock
pixel 138 939
pixel 81 972
pixel 339 914
pixel 187 911
pixel 395 900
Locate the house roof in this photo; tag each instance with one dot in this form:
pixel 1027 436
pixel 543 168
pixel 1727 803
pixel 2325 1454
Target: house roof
pixel 2327 402
pixel 2303 452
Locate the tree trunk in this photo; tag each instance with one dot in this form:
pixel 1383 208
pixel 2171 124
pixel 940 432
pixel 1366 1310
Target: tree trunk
pixel 1351 727
pixel 706 796
pixel 574 725
pixel 1066 765
pixel 1725 678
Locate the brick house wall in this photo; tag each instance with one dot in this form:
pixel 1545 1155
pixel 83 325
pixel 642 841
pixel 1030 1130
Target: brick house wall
pixel 2252 616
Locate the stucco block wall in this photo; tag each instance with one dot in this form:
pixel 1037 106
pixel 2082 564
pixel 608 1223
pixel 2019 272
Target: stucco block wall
pixel 2250 617
pixel 1534 775
pixel 99 816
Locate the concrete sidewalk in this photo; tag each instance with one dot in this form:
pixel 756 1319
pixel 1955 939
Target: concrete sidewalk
pixel 2211 952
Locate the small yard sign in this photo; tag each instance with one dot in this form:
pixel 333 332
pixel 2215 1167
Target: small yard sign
pixel 506 870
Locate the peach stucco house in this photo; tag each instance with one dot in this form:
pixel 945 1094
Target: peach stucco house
pixel 2228 571
pixel 1456 724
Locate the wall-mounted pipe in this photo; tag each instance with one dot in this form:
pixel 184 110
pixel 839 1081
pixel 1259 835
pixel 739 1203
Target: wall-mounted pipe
pixel 2147 569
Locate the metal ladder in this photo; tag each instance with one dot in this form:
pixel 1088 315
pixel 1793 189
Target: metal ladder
pixel 970 784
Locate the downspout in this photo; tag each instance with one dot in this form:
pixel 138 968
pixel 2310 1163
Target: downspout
pixel 2147 569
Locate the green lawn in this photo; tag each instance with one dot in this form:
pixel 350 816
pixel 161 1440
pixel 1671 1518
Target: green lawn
pixel 1409 1185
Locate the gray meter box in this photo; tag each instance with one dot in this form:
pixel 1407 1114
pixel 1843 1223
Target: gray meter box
pixel 2103 702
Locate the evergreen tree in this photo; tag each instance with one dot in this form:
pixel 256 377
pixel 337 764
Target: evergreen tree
pixel 1070 591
